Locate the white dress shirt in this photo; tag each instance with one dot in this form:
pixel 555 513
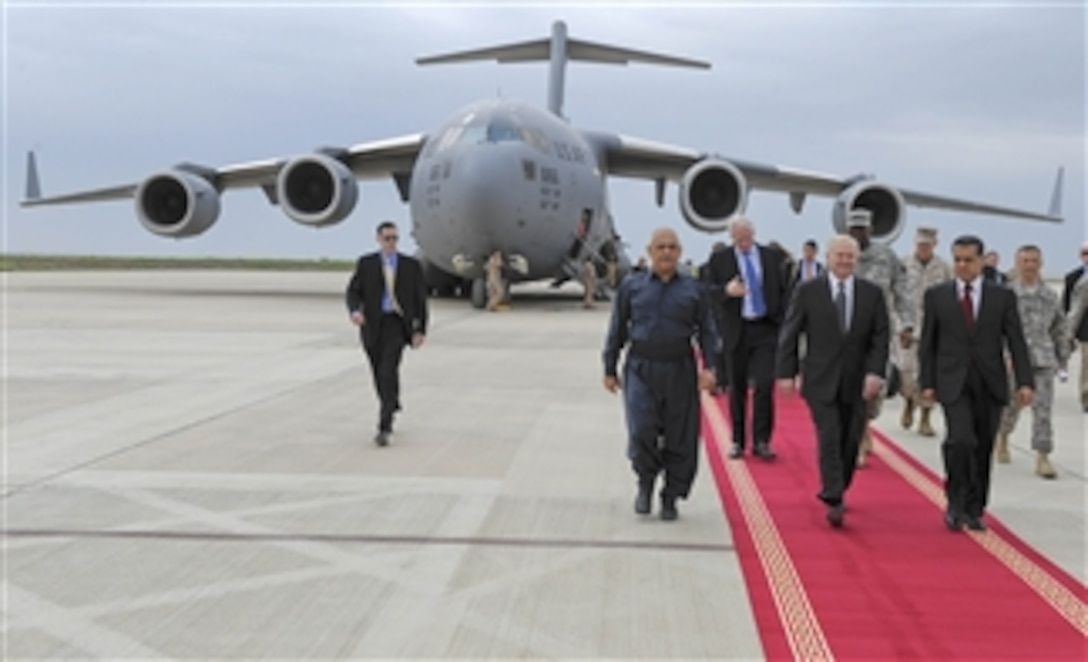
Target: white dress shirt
pixel 976 293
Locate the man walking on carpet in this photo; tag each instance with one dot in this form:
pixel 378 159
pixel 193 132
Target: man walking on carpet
pixel 968 323
pixel 845 322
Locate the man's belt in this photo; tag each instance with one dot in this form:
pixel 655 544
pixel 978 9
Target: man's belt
pixel 669 350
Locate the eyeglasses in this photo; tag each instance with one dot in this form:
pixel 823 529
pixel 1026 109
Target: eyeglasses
pixel 390 237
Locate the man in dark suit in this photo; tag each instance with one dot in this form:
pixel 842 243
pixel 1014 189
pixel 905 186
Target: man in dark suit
pixel 387 300
pixel 808 267
pixel 748 282
pixel 1080 333
pixel 721 370
pixel 990 270
pixel 969 322
pixel 845 323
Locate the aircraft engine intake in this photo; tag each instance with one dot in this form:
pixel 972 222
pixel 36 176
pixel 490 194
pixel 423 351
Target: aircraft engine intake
pixel 711 193
pixel 884 202
pixel 176 204
pixel 316 190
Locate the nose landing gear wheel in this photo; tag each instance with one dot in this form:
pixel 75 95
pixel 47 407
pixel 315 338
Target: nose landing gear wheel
pixel 479 293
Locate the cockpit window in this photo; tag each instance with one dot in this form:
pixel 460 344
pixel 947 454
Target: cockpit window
pixel 502 130
pixel 475 129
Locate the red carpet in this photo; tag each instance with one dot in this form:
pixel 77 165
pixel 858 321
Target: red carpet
pixel 894 583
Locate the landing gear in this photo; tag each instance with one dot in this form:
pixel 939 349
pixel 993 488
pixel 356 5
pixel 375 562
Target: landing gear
pixel 479 293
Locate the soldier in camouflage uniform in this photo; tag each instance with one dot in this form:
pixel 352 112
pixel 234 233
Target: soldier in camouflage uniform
pixel 1047 336
pixel 924 270
pixel 879 264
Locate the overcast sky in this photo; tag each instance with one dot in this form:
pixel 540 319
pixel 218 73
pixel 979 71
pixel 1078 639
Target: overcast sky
pixel 979 102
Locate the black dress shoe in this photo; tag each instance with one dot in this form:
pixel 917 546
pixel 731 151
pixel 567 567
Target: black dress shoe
pixel 835 515
pixel 974 522
pixel 382 438
pixel 642 500
pixel 764 451
pixel 952 520
pixel 736 451
pixel 668 508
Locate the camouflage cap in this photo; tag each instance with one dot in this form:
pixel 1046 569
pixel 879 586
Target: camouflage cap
pixel 859 218
pixel 926 236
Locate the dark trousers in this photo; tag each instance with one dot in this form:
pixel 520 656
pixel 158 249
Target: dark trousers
pixel 972 421
pixel 753 359
pixel 384 355
pixel 661 400
pixel 839 426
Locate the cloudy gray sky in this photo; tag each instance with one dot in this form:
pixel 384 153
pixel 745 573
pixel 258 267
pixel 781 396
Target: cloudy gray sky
pixel 970 100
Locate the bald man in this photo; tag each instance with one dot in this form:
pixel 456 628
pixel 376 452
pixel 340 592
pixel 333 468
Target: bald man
pixel 656 315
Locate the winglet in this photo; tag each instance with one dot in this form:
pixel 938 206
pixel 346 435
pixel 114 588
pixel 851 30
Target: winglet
pixel 33 185
pixel 1056 196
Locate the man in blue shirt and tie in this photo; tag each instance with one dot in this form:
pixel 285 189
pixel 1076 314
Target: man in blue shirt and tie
pixel 387 300
pixel 750 282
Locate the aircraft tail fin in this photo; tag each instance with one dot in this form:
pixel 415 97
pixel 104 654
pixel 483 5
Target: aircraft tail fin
pixel 33 184
pixel 1056 196
pixel 558 50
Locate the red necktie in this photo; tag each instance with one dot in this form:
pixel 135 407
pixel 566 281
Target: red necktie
pixel 968 307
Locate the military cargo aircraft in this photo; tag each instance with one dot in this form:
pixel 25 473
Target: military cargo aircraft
pixel 510 176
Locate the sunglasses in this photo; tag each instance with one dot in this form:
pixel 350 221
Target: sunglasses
pixel 390 237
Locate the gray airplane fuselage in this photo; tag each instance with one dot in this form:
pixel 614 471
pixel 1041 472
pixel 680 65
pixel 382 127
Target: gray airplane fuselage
pixel 507 176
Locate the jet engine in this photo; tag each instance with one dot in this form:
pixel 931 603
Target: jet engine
pixel 711 193
pixel 176 204
pixel 316 190
pixel 884 202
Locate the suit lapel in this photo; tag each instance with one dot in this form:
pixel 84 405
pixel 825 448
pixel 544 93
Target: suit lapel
pixel 986 304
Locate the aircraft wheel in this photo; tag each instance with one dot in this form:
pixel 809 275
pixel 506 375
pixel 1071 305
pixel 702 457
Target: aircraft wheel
pixel 479 293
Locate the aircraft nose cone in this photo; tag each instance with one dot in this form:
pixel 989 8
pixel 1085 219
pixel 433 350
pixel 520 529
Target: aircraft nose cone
pixel 488 185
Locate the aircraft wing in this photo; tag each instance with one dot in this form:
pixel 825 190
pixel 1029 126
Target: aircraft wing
pixel 626 156
pixel 372 160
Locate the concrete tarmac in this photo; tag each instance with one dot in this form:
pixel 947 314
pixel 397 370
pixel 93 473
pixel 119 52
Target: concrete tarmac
pixel 189 473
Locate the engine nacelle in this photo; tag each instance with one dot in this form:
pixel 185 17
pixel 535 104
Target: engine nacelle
pixel 316 190
pixel 177 204
pixel 884 202
pixel 711 193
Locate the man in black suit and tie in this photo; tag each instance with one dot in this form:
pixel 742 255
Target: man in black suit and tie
pixel 969 323
pixel 845 323
pixel 808 267
pixel 387 300
pixel 748 283
pixel 1080 332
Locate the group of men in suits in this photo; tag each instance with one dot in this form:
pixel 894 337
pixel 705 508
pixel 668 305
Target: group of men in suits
pixel 763 309
pixel 766 308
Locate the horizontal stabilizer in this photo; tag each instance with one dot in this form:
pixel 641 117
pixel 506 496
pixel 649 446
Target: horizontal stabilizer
pixel 557 51
pixel 583 51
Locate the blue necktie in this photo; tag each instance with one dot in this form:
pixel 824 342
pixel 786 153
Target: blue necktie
pixel 755 288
